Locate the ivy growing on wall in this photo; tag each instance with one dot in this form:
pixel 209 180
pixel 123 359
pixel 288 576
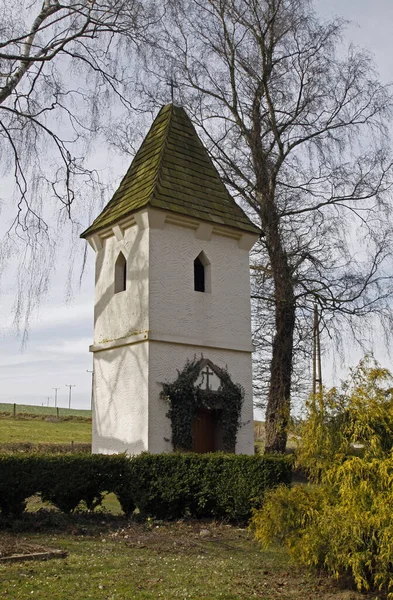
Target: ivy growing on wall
pixel 185 397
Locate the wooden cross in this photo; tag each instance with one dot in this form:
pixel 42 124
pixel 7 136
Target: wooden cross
pixel 207 373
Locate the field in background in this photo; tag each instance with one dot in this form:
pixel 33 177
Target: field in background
pixel 22 409
pixel 36 431
pixel 259 436
pixel 34 428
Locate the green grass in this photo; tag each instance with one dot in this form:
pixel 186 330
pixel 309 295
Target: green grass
pixel 118 560
pixel 36 431
pixel 43 410
pixel 110 505
pixel 259 438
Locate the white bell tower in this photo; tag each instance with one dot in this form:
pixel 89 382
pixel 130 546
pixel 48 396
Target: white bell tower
pixel 172 283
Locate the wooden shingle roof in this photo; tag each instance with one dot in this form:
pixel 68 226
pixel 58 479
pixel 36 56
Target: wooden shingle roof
pixel 172 171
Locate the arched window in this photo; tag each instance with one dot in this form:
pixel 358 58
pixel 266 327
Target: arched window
pixel 201 273
pixel 120 273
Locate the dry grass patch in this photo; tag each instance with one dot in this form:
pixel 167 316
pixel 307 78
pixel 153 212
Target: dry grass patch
pixel 11 544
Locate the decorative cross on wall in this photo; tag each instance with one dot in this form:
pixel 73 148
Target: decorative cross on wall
pixel 208 373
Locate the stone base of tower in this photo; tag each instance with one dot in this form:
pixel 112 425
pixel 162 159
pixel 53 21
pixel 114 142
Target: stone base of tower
pixel 128 413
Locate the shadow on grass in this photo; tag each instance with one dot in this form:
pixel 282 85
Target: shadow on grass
pixel 80 523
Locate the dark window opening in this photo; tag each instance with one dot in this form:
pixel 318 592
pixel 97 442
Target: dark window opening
pixel 199 276
pixel 124 276
pixel 120 273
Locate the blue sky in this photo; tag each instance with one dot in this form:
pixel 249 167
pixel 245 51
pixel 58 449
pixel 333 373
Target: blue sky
pixel 57 350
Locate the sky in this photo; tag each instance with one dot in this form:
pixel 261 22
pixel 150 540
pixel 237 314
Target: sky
pixel 56 354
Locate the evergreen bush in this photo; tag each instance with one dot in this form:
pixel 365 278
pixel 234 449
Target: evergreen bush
pixel 17 482
pixel 164 486
pixel 170 486
pixel 343 522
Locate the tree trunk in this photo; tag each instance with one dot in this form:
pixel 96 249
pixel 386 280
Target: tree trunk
pixel 278 406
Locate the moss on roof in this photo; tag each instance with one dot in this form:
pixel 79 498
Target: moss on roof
pixel 173 171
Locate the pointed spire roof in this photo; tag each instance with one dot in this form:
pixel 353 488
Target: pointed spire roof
pixel 172 171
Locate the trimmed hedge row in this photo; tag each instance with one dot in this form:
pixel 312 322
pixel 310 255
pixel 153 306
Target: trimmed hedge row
pixel 164 486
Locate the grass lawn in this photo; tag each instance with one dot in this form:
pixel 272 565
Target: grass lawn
pixel 112 559
pixel 35 431
pixel 43 410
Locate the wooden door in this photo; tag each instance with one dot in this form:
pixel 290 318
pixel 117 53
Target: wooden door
pixel 204 431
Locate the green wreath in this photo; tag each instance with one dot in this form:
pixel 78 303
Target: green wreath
pixel 184 398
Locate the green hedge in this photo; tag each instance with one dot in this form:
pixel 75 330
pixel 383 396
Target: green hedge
pixel 164 486
pixel 64 480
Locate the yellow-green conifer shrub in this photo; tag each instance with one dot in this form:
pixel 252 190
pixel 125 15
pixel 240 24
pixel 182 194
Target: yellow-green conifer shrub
pixel 288 514
pixel 354 419
pixel 344 522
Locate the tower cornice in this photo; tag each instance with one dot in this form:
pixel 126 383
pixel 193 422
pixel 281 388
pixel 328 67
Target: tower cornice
pixel 150 218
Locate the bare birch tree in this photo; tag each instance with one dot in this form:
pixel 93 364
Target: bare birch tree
pixel 63 66
pixel 298 127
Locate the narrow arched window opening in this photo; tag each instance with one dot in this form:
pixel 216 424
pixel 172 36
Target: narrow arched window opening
pixel 120 273
pixel 199 275
pixel 202 273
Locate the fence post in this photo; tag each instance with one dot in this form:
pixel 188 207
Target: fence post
pixel 14 410
pixel 72 446
pixel 57 411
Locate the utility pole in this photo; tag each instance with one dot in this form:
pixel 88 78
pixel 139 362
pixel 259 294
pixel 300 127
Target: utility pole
pixel 92 388
pixel 69 394
pixel 55 396
pixel 316 355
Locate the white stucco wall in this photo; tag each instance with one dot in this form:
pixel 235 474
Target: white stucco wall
pixel 125 313
pixel 161 307
pixel 120 411
pixel 221 316
pixel 165 359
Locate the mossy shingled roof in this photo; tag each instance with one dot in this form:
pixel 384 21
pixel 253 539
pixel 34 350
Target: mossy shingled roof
pixel 173 171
